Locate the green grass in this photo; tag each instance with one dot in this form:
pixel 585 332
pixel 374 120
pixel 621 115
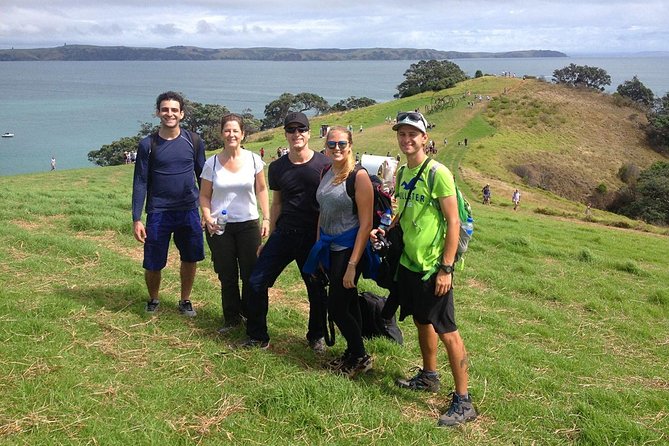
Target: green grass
pixel 565 322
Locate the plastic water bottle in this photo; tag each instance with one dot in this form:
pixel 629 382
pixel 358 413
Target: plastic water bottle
pixel 386 221
pixel 221 221
pixel 468 226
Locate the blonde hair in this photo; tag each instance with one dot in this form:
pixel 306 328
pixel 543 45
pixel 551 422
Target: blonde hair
pixel 340 177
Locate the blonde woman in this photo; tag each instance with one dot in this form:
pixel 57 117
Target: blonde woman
pixel 343 245
pixel 233 181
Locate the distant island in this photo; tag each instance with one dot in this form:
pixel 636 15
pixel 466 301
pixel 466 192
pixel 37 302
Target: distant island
pixel 92 52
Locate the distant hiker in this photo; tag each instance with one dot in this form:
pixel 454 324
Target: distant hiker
pixel 233 182
pixel 516 199
pixel 293 180
pixel 53 162
pixel 486 194
pixel 262 153
pixel 167 172
pixel 431 227
pixel 465 141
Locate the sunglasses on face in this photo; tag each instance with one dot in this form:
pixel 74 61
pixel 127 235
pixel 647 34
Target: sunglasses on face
pixel 333 144
pixel 297 129
pixel 411 116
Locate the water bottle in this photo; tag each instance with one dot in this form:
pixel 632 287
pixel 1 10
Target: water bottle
pixel 468 226
pixel 386 221
pixel 466 231
pixel 221 221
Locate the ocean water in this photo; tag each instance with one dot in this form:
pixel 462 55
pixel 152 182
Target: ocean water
pixel 67 109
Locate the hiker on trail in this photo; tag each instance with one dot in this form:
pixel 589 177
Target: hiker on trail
pixel 515 198
pixel 293 180
pixel 167 172
pixel 425 276
pixel 486 194
pixel 341 246
pixel 53 162
pixel 233 181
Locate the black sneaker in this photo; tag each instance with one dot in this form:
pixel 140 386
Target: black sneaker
pixel 152 306
pixel 186 308
pixel 336 363
pixel 255 343
pixel 460 411
pixel 422 381
pixel 318 346
pixel 353 367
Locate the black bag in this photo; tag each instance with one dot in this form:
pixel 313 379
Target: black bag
pixel 391 258
pixel 373 323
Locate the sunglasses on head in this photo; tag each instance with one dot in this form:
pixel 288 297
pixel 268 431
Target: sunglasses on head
pixel 411 116
pixel 301 129
pixel 333 144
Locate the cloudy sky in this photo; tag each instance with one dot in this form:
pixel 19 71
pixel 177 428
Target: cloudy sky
pixel 573 26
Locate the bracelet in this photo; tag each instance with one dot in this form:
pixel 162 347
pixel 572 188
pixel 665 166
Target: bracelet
pixel 352 263
pixel 265 219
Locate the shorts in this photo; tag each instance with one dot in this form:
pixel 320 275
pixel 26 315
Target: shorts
pixel 187 230
pixel 417 299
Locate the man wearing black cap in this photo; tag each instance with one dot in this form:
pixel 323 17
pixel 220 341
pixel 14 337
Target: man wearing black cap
pixel 293 180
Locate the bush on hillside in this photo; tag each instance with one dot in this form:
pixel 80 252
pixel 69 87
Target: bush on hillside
pixel 657 130
pixel 351 103
pixel 582 76
pixel 647 199
pixel 637 92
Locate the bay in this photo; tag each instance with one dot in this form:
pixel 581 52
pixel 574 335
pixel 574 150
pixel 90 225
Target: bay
pixel 67 109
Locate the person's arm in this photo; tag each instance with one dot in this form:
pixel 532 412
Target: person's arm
pixel 206 191
pixel 274 212
pixel 139 192
pixel 262 195
pixel 449 209
pixel 199 161
pixel 364 200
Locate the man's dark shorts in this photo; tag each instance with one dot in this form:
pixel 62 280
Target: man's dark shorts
pixel 417 298
pixel 187 230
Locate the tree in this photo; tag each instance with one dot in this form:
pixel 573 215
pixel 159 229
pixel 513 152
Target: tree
pixel 429 75
pixel 352 103
pixel 478 74
pixel 657 130
pixel 651 201
pixel 636 91
pixel 276 110
pixel 113 154
pixel 582 76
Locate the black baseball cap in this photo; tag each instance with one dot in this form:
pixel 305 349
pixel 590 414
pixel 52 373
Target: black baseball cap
pixel 296 118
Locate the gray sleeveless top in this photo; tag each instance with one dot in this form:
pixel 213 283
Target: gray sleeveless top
pixel 336 208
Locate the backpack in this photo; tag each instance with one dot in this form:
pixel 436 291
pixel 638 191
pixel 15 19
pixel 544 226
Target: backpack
pixel 194 141
pixel 382 200
pixel 373 323
pixel 464 210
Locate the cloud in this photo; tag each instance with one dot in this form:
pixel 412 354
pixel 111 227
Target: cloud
pixel 476 25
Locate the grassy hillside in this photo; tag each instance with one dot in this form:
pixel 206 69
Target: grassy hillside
pixel 565 321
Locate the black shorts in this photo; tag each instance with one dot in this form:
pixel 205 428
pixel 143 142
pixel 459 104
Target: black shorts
pixel 417 299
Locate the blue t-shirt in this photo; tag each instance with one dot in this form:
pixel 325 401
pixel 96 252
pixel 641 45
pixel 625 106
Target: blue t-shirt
pixel 168 177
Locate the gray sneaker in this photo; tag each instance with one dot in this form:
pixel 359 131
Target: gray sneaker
pixel 318 346
pixel 422 381
pixel 152 306
pixel 251 343
pixel 186 308
pixel 353 367
pixel 460 411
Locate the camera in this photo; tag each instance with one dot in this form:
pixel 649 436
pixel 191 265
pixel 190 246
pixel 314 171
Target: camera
pixel 381 245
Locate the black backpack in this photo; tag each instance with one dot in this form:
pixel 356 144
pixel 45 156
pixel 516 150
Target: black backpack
pixel 373 323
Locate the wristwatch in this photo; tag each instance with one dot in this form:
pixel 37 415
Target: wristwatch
pixel 448 269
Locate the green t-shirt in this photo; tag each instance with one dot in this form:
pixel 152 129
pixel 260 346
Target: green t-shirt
pixel 424 238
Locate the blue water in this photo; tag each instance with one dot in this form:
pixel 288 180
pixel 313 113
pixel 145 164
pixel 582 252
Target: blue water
pixel 67 109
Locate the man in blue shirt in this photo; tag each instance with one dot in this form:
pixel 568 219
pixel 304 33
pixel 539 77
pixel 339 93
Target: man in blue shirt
pixel 167 168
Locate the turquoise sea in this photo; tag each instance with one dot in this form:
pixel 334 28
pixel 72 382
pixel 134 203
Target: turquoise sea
pixel 67 109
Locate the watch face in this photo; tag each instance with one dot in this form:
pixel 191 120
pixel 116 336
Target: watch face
pixel 446 268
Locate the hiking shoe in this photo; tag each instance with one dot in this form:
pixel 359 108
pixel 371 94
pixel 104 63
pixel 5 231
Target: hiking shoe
pixel 460 411
pixel 152 305
pixel 422 381
pixel 353 367
pixel 318 346
pixel 186 308
pixel 255 343
pixel 336 363
pixel 227 328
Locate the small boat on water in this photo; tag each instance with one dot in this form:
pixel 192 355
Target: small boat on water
pixel 7 135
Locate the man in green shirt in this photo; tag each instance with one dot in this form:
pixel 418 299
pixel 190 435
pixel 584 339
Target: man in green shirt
pixel 425 277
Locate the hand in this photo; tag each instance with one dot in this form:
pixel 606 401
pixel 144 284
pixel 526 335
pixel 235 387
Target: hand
pixel 139 231
pixel 259 250
pixel 212 226
pixel 264 229
pixel 349 276
pixel 373 232
pixel 443 283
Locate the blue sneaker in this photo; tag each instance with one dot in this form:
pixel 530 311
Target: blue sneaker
pixel 460 411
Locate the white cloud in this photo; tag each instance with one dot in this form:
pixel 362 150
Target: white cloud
pixel 477 25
